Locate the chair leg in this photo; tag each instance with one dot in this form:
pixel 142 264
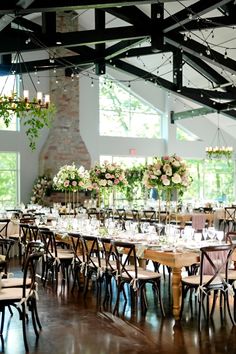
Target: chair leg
pixel 24 327
pixel 157 288
pixel 228 308
pixel 37 316
pixel 215 296
pixel 32 305
pixel 2 326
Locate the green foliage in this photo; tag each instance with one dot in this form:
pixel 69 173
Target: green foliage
pixel 34 117
pixel 124 114
pixel 8 178
pixel 134 177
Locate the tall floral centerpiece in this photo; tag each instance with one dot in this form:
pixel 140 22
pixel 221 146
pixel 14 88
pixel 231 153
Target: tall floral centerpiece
pixel 168 173
pixel 106 178
pixel 71 179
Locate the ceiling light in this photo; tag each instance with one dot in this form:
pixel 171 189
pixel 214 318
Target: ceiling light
pixel 219 149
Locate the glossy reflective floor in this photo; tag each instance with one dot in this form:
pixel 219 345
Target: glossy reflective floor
pixel 73 325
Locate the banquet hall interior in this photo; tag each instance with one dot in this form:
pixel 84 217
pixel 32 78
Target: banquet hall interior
pixel 117 176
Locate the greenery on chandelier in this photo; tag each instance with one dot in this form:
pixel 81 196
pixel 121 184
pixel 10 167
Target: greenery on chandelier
pixel 33 116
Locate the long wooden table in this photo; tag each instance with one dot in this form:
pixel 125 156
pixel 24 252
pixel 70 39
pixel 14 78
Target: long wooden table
pixel 175 260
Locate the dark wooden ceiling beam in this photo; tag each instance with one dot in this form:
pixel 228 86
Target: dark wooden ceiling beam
pixel 200 51
pixel 214 94
pixel 122 47
pixel 191 13
pixel 49 23
pixel 100 24
pixel 177 70
pixel 44 64
pixel 16 39
pixel 10 7
pixel 142 74
pixel 157 18
pixel 204 69
pixel 211 23
pixel 27 24
pixel 130 14
pixel 145 75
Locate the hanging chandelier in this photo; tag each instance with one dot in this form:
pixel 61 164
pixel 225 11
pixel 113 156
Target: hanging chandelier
pixel 35 112
pixel 219 148
pixel 19 97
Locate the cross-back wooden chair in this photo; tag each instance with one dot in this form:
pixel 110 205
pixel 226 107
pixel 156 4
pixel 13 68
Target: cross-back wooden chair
pixel 129 272
pixel 4 227
pixel 22 298
pixel 229 221
pixel 94 265
pixel 6 245
pixel 54 259
pixel 212 279
pixel 78 262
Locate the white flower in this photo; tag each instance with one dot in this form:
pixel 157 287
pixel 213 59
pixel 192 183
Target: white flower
pixel 176 178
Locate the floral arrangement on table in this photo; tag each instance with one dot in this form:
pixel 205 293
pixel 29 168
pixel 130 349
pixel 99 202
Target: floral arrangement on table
pixel 134 176
pixel 107 175
pixel 168 173
pixel 42 187
pixel 71 178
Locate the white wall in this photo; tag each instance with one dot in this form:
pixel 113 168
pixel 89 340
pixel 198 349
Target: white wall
pixel 97 145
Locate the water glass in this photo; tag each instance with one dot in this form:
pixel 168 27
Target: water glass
pixel 220 235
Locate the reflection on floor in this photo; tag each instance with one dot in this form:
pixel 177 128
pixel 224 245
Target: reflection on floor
pixel 72 325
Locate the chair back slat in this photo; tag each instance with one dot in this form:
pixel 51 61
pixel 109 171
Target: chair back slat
pixel 77 246
pixel 126 260
pixel 91 250
pixel 215 262
pixel 48 238
pixel 230 213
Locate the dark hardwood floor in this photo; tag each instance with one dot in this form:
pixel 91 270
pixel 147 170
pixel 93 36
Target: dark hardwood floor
pixel 74 325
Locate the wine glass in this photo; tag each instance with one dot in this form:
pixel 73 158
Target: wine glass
pixel 145 227
pixel 211 233
pixel 205 233
pixel 220 236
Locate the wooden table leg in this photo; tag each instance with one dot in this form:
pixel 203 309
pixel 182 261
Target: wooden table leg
pixel 176 288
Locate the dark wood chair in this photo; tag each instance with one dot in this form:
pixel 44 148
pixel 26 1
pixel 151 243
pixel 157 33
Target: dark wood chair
pixel 54 258
pixel 23 298
pixel 94 264
pixel 4 227
pixel 5 249
pixel 129 272
pixel 78 262
pixel 229 221
pixel 212 279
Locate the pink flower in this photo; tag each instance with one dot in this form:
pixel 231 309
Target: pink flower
pixel 74 183
pixel 116 181
pixel 66 183
pixel 166 158
pixel 166 182
pixel 81 183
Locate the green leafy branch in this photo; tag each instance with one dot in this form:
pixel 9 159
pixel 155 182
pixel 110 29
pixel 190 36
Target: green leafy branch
pixel 33 116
